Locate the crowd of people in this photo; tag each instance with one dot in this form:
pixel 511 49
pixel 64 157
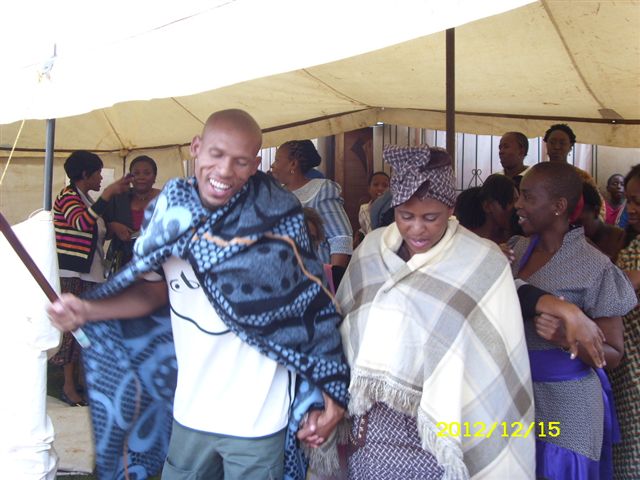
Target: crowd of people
pixel 487 334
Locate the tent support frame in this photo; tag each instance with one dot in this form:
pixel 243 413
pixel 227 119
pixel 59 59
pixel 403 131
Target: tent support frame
pixel 451 92
pixel 48 164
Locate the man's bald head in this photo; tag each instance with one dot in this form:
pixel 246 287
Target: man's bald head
pixel 237 119
pixel 226 155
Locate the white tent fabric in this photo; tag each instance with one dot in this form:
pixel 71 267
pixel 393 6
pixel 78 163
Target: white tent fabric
pixel 306 70
pixel 73 443
pixel 26 435
pixel 217 43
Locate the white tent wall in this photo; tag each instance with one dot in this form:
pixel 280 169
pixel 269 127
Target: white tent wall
pixel 614 160
pixel 21 192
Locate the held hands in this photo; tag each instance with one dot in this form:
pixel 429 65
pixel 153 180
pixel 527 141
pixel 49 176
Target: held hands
pixel 319 424
pixel 68 313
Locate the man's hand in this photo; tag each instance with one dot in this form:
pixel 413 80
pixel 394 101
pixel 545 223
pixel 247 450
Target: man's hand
pixel 68 313
pixel 319 424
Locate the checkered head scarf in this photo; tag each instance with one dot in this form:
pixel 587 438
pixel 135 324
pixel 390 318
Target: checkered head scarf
pixel 424 170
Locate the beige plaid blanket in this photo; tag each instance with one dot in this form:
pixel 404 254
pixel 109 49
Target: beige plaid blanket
pixel 441 338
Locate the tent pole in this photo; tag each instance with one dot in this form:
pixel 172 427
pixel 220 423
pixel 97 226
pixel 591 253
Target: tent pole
pixel 451 93
pixel 48 164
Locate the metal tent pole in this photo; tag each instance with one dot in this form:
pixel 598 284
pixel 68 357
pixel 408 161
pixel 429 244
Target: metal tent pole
pixel 451 93
pixel 48 164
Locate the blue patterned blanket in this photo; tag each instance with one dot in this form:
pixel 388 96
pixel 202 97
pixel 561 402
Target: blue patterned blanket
pixel 254 259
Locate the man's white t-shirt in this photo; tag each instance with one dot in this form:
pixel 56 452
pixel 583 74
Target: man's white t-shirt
pixel 224 385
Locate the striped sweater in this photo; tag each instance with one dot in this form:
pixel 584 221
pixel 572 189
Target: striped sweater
pixel 76 229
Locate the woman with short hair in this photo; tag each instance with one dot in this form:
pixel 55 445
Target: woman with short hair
pixel 556 257
pixel 293 160
pixel 80 233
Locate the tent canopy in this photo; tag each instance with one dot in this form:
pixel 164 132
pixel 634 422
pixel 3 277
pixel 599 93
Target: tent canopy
pixel 305 72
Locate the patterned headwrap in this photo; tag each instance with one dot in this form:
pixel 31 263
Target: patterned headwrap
pixel 414 167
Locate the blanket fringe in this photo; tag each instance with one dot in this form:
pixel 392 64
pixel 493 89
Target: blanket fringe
pixel 343 430
pixel 324 459
pixel 447 452
pixel 365 390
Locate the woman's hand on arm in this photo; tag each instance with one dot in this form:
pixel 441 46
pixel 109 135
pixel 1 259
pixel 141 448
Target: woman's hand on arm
pixel 564 324
pixel 613 329
pixel 69 312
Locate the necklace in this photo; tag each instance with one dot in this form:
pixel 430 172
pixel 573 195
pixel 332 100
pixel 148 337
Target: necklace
pixel 143 198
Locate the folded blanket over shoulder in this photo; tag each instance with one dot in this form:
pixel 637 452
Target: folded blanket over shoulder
pixel 440 338
pixel 236 252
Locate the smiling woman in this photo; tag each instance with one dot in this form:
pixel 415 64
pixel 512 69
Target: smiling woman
pixel 555 257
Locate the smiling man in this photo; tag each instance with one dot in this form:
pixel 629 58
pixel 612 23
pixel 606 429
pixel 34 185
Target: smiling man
pixel 255 334
pixel 225 159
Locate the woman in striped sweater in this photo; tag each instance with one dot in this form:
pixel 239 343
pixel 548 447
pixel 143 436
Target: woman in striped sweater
pixel 80 235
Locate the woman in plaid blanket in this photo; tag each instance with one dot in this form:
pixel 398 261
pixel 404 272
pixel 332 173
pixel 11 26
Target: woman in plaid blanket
pixel 434 336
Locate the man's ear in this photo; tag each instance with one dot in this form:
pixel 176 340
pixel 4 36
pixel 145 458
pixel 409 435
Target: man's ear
pixel 486 206
pixel 195 146
pixel 561 205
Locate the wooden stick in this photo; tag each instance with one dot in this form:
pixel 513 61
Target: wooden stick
pixel 37 275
